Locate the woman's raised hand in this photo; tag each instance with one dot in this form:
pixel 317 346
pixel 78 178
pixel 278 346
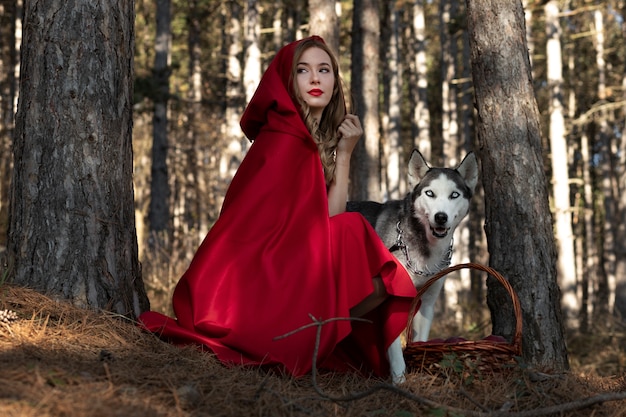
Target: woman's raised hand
pixel 350 131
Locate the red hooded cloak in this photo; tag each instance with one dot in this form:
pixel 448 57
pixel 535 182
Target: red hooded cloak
pixel 274 258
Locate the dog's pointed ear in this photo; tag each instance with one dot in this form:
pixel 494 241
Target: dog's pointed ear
pixel 468 168
pixel 417 168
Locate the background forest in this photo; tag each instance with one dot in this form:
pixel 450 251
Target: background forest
pixel 214 53
pixel 197 62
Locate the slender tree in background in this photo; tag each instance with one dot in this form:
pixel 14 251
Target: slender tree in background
pixel 236 144
pixel 518 219
pixel 619 230
pixel 421 115
pixel 159 213
pixel 10 39
pixel 192 207
pixel 252 50
pixel 603 140
pixel 393 157
pixel 72 225
pixel 449 153
pixel 323 21
pixel 364 169
pixel 566 265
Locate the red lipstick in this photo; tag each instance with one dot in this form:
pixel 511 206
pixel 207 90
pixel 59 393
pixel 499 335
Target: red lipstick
pixel 315 92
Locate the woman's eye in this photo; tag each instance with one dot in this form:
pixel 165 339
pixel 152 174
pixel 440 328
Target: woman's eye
pixel 429 193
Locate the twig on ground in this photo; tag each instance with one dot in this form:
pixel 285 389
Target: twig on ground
pixel 570 406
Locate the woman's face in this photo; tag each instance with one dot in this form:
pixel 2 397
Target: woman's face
pixel 315 79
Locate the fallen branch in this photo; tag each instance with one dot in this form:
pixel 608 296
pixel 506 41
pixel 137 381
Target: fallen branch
pixel 561 408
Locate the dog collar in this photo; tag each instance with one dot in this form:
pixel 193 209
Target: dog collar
pixel 401 245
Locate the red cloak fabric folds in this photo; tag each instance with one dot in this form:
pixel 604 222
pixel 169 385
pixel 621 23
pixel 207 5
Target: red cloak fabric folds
pixel 275 258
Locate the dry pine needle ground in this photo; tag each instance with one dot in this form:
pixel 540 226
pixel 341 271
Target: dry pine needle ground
pixel 59 360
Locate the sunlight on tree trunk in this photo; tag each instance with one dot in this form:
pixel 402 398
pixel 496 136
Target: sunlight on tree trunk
pixel 449 116
pixel 421 114
pixel 252 57
pixel 233 138
pixel 560 177
pixel 323 21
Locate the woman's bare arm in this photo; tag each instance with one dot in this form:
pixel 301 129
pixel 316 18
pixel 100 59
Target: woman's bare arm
pixel 350 131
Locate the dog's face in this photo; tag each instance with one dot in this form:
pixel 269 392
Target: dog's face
pixel 441 196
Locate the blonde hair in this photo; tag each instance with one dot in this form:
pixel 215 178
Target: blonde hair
pixel 323 132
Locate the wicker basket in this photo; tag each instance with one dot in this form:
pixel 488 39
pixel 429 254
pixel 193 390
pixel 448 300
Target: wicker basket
pixel 492 353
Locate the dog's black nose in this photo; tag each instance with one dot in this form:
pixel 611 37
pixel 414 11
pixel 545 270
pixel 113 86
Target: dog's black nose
pixel 441 218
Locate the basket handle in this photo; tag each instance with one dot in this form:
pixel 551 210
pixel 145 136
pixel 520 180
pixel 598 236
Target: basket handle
pixel 517 309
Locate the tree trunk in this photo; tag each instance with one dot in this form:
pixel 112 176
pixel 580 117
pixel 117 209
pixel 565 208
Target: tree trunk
pixel 235 143
pixel 72 225
pixel 592 259
pixel 252 57
pixel 159 213
pixel 421 115
pixel 560 173
pixel 619 230
pixel 518 221
pixel 393 157
pixel 9 20
pixel 449 118
pixel 606 280
pixel 323 21
pixel 364 169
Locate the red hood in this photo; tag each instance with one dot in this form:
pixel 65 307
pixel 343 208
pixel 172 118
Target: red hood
pixel 272 106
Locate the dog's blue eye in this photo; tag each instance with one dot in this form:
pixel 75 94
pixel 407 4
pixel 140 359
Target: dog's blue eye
pixel 454 195
pixel 429 193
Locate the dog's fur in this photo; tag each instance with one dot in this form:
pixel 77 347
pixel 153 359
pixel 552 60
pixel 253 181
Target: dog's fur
pixel 418 230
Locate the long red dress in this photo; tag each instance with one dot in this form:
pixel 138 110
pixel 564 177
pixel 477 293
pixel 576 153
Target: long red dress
pixel 274 257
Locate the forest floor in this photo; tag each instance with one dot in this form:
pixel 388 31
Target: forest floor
pixel 59 360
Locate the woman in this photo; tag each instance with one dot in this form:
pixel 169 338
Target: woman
pixel 283 251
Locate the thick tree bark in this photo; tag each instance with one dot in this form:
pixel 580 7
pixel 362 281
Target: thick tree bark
pixel 72 224
pixel 518 221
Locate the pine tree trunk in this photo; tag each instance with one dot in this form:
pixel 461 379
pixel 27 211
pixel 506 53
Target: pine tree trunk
pixel 72 229
pixel 235 143
pixel 365 181
pixel 518 221
pixel 560 172
pixel 620 203
pixel 323 21
pixel 8 59
pixel 394 164
pixel 159 212
pixel 421 115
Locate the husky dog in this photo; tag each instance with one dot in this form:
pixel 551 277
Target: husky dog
pixel 418 230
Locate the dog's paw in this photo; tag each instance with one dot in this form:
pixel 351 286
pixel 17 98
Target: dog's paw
pixel 398 379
